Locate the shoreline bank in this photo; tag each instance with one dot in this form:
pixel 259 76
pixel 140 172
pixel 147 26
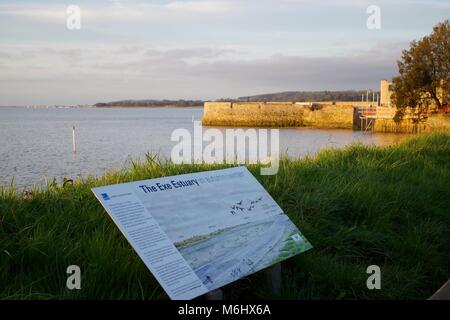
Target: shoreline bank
pixel 361 205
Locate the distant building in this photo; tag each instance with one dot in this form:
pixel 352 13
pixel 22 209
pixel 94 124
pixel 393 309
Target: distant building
pixel 386 90
pixel 443 94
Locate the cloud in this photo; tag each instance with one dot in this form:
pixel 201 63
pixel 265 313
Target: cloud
pixel 104 73
pixel 121 11
pixel 51 14
pixel 200 48
pixel 198 6
pixel 118 12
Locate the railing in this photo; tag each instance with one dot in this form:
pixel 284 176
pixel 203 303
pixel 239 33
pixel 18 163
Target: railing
pixel 378 112
pixel 385 112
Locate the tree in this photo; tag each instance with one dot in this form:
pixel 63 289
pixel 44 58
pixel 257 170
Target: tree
pixel 424 73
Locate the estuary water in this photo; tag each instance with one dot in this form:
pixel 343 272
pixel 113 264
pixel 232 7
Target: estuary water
pixel 36 144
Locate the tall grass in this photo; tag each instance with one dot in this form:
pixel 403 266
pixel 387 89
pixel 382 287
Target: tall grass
pixel 358 206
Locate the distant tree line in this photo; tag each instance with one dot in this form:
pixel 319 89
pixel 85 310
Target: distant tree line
pixel 303 96
pixel 297 96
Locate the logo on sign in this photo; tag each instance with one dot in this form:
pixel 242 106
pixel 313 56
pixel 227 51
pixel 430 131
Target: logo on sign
pixel 105 196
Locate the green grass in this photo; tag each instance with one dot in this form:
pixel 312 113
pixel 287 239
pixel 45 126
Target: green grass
pixel 358 206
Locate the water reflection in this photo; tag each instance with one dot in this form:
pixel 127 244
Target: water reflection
pixel 37 143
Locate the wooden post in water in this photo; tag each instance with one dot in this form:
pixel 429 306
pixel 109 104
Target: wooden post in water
pixel 74 146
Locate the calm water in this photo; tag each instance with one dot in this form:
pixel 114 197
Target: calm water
pixel 37 143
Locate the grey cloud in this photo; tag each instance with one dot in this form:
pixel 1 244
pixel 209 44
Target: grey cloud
pixel 188 53
pixel 4 55
pixel 108 75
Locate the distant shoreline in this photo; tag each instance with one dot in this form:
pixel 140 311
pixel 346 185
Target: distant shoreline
pixel 169 106
pixel 100 107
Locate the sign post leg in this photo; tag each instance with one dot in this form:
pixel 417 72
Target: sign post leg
pixel 273 276
pixel 214 295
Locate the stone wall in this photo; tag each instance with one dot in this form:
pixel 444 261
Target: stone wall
pixel 435 122
pixel 279 114
pixel 404 126
pixel 259 114
pixel 329 116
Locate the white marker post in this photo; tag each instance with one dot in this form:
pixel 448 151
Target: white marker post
pixel 74 146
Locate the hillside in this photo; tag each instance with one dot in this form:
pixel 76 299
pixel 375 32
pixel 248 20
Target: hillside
pixel 348 95
pixel 300 96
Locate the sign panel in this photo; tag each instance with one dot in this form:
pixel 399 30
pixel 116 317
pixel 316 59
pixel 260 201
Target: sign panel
pixel 198 232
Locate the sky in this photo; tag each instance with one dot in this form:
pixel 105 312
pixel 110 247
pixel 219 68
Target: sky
pixel 201 49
